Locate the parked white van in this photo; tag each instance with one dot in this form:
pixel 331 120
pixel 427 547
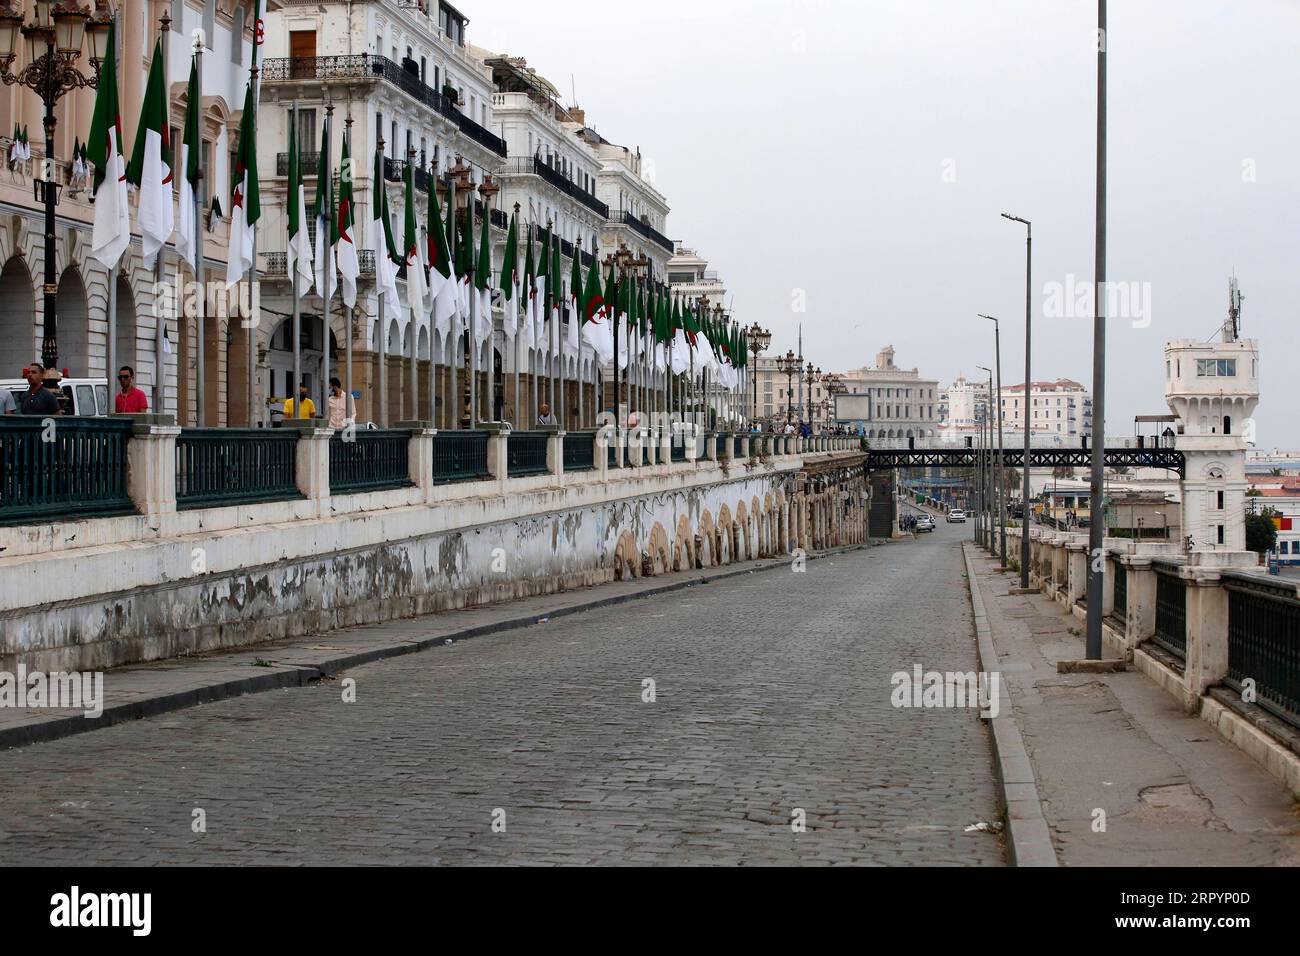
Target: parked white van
pixel 86 397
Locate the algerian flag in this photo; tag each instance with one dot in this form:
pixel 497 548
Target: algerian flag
pixel 150 170
pixel 27 144
pixel 381 238
pixel 187 236
pixel 483 282
pixel 301 257
pixel 112 230
pixel 442 275
pixel 597 330
pixel 510 278
pixel 245 195
pixel 327 224
pixel 416 285
pixel 348 261
pixel 465 263
pixel 528 331
pixel 557 297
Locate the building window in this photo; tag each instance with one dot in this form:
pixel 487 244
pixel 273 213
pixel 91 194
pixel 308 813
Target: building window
pixel 236 38
pixel 1216 368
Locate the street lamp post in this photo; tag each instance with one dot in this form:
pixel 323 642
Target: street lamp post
pixel 1029 312
pixel 787 365
pixel 1096 529
pixel 997 406
pixel 54 41
pixel 759 340
pixel 990 474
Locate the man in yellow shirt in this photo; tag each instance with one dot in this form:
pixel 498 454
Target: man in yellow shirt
pixel 303 408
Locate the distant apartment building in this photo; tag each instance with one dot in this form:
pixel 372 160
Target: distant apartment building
pixel 885 401
pixel 1062 408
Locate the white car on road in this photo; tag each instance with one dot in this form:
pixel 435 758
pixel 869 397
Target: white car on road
pixel 956 517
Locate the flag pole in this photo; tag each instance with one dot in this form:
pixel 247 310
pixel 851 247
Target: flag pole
pixel 328 219
pixel 348 316
pixel 453 412
pixel 533 330
pixel 415 319
pixel 473 318
pixel 254 295
pixel 294 163
pixel 515 305
pixel 200 299
pixel 160 320
pixel 377 184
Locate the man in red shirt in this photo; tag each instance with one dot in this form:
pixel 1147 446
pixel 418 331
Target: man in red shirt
pixel 130 400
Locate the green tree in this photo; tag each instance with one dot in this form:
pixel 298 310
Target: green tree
pixel 1261 532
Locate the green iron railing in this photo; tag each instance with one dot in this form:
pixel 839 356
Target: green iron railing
pixel 1171 614
pixel 526 454
pixel 1119 611
pixel 677 447
pixel 369 461
pixel 52 468
pixel 460 456
pixel 1264 646
pixel 223 467
pixel 580 451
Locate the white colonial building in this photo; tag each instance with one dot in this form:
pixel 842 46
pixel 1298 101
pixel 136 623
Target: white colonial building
pixel 888 402
pixel 1060 409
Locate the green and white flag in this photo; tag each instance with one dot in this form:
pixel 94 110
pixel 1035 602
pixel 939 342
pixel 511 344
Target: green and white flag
pixel 187 241
pixel 483 283
pixel 112 230
pixel 301 257
pixel 442 272
pixel 245 195
pixel 510 278
pixel 150 170
pixel 349 261
pixel 528 331
pixel 327 224
pixel 597 329
pixel 387 257
pixel 416 287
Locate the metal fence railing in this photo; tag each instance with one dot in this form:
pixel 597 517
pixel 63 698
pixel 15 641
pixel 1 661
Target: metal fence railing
pixel 62 467
pixel 235 466
pixel 580 451
pixel 1171 613
pixel 460 456
pixel 526 454
pixel 1264 645
pixel 369 461
pixel 1120 610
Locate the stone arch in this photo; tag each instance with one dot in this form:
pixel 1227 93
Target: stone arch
pixel 19 342
pixel 706 554
pixel 660 562
pixel 756 519
pixel 724 537
pixel 744 540
pixel 73 324
pixel 684 546
pixel 627 558
pixel 422 345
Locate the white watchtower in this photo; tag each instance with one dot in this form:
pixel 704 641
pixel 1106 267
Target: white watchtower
pixel 1213 388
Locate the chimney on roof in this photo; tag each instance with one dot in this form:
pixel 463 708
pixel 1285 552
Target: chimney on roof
pixel 578 115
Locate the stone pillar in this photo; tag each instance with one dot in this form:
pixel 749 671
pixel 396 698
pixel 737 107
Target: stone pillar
pixel 555 453
pixel 313 467
pixel 743 451
pixel 600 452
pixel 667 436
pixel 498 455
pixel 728 447
pixel 634 456
pixel 151 465
pixel 610 440
pixel 1076 557
pixel 1140 612
pixel 420 459
pixel 694 439
pixel 1207 634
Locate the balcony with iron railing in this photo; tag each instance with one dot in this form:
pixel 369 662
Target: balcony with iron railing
pixel 368 66
pixel 559 181
pixel 644 229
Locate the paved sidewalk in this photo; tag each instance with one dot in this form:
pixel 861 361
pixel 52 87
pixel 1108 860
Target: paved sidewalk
pixel 146 690
pixel 1173 792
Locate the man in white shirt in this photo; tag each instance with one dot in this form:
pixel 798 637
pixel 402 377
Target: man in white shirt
pixel 342 408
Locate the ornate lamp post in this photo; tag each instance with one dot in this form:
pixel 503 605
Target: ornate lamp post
pixel 787 365
pixel 759 339
pixel 55 37
pixel 814 376
pixel 834 385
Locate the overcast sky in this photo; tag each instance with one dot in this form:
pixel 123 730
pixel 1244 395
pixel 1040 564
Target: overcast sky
pixel 862 152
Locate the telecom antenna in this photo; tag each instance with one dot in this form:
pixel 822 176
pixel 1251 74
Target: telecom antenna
pixel 1233 329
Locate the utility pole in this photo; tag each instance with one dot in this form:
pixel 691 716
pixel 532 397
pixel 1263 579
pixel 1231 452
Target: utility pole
pixel 1096 525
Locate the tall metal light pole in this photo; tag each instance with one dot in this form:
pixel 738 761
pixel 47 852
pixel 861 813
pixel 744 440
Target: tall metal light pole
pixel 787 365
pixel 1096 524
pixel 997 406
pixel 1029 323
pixel 759 340
pixel 54 41
pixel 990 475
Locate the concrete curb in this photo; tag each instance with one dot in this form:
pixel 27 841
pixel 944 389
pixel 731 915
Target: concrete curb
pixel 288 675
pixel 1028 838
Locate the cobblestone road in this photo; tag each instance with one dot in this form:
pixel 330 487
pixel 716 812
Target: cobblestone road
pixel 772 695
